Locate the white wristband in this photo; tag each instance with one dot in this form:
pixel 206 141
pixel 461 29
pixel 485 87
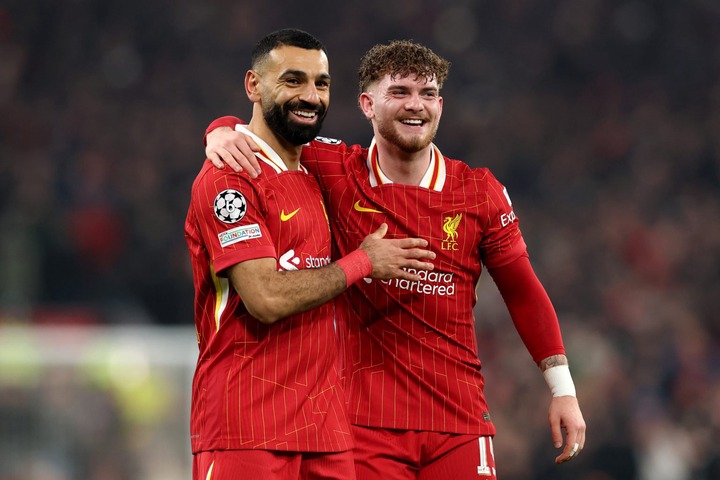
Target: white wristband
pixel 560 381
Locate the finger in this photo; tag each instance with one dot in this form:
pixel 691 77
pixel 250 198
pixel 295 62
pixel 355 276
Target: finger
pixel 572 446
pixel 407 243
pixel 405 275
pixel 417 265
pixel 564 456
pixel 569 453
pixel 575 449
pixel 556 432
pixel 380 232
pixel 580 441
pixel 254 146
pixel 575 433
pixel 229 159
pixel 245 156
pixel 417 253
pixel 215 159
pixel 581 433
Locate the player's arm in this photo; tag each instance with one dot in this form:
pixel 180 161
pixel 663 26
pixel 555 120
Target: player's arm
pixel 535 319
pixel 270 295
pixel 225 145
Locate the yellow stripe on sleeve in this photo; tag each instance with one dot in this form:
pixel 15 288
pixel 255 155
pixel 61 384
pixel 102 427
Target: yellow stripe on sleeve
pixel 222 292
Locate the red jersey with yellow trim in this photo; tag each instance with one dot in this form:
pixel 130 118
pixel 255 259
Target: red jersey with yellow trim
pixel 272 387
pixel 412 357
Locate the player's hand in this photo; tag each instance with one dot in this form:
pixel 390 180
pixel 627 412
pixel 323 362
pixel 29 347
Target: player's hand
pixel 237 150
pixel 564 414
pixel 390 257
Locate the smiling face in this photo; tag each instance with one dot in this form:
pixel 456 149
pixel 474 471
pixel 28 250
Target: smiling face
pixel 292 86
pixel 405 111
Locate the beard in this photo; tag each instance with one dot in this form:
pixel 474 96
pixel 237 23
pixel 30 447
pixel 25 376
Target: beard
pixel 278 119
pixel 409 144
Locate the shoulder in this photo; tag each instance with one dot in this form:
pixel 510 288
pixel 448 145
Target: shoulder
pixel 327 155
pixel 463 173
pixel 206 175
pixel 333 145
pixel 212 181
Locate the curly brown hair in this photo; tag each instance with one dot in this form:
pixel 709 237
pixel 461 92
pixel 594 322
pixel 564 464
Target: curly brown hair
pixel 401 58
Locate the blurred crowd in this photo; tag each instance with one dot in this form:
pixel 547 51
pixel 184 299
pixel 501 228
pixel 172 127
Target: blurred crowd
pixel 601 117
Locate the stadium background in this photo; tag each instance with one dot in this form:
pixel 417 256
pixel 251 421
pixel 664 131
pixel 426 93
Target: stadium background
pixel 601 117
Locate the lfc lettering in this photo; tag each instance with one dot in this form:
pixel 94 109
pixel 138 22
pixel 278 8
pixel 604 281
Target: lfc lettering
pixel 451 246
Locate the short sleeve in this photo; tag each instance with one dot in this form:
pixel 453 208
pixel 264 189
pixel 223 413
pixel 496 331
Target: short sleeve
pixel 230 210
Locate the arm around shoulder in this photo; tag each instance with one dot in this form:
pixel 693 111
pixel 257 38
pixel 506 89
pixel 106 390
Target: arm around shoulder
pixel 224 145
pixel 228 121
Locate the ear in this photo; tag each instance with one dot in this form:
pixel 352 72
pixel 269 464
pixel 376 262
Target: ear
pixel 252 86
pixel 367 105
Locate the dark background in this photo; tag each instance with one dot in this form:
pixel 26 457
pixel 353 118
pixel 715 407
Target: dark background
pixel 601 117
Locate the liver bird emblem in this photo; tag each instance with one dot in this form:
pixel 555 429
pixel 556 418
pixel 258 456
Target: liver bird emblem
pixel 450 227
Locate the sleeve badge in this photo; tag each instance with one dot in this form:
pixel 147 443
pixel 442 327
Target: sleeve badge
pixel 230 206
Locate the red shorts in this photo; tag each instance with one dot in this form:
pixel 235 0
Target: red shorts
pixel 272 465
pixel 384 454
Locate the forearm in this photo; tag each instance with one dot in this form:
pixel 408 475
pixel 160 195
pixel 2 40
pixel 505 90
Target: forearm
pixel 227 121
pixel 537 323
pixel 531 310
pixel 271 295
pixel 287 293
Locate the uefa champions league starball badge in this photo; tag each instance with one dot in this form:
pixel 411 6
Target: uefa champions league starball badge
pixel 230 206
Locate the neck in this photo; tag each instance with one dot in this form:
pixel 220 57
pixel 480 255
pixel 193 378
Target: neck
pixel 289 153
pixel 400 166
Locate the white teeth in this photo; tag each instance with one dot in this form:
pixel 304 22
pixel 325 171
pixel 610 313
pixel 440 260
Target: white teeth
pixel 412 122
pixel 304 114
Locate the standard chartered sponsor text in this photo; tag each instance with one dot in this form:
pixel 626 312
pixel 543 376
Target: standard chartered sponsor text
pixel 316 262
pixel 430 283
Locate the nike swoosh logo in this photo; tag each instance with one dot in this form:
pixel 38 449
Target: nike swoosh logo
pixel 287 216
pixel 359 208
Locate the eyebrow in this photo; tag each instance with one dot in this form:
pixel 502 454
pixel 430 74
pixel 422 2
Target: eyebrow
pixel 303 74
pixel 407 88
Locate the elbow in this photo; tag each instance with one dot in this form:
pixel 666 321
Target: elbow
pixel 265 317
pixel 261 295
pixel 264 311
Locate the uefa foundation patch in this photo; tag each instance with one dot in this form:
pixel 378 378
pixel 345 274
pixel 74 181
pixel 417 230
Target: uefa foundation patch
pixel 239 234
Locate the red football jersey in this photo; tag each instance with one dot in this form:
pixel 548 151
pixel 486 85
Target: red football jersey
pixel 262 386
pixel 412 358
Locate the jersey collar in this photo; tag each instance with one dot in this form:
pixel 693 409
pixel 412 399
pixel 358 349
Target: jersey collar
pixel 266 154
pixel 434 178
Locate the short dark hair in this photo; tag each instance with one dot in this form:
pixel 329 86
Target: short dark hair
pixel 401 58
pixel 287 36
